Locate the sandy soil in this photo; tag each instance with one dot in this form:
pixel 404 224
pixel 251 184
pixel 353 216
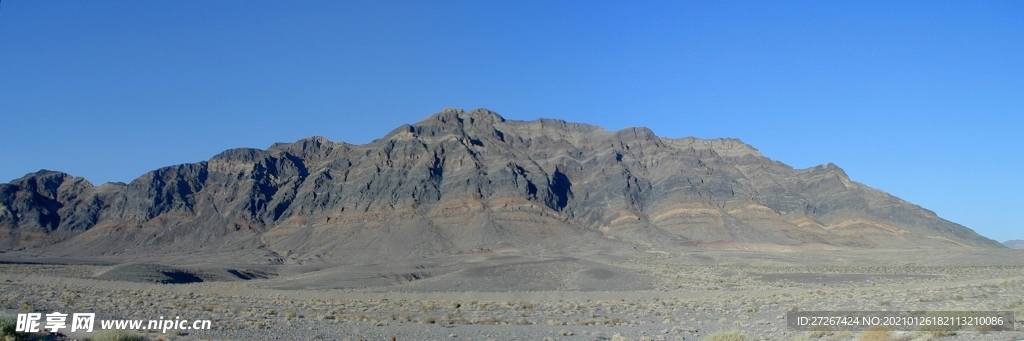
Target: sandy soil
pixel 654 295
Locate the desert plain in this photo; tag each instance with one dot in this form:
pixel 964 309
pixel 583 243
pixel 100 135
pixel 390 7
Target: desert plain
pixel 727 292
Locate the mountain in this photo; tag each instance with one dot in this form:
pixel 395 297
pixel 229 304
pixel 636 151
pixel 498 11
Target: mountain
pixel 460 181
pixel 1014 244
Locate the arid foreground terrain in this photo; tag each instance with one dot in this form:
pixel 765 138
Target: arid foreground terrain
pixel 511 294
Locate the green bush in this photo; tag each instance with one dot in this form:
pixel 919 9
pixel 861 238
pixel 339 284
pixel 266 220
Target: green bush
pixel 7 325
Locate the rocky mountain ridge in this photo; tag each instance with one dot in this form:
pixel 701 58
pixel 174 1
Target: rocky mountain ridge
pixel 459 181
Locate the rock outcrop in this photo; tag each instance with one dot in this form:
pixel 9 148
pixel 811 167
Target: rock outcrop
pixel 460 181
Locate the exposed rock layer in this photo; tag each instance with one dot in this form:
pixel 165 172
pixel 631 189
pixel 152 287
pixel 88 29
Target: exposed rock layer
pixel 459 181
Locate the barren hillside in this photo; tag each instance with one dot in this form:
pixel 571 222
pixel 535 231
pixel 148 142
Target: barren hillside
pixel 467 182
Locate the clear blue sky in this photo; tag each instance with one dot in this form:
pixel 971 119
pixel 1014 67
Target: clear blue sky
pixel 924 99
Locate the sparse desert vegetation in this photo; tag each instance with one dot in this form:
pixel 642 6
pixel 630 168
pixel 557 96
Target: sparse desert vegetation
pixel 684 300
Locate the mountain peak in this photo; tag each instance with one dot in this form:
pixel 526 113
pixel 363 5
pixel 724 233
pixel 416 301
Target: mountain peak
pixel 42 173
pixel 462 180
pixel 459 116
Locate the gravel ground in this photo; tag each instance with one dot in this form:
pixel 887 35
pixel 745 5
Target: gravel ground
pixel 683 302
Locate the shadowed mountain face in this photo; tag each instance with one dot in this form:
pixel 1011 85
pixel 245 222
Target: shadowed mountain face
pixel 460 181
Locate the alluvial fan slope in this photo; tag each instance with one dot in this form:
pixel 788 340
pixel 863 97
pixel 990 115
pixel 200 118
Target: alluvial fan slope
pixel 468 182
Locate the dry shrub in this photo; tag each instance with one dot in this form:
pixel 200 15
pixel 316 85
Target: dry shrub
pixel 727 336
pixel 117 335
pixel 875 334
pixel 819 332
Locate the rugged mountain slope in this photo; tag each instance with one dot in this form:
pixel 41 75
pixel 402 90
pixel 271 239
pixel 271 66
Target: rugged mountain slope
pixel 458 181
pixel 1014 244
